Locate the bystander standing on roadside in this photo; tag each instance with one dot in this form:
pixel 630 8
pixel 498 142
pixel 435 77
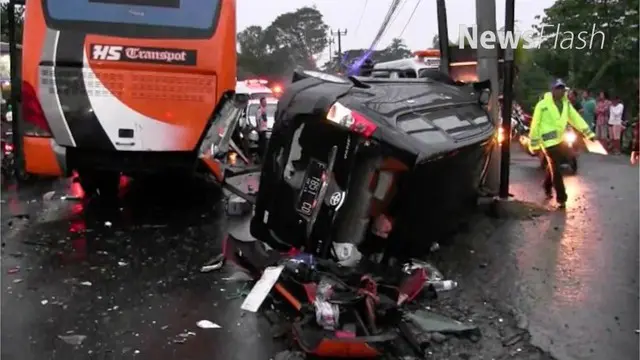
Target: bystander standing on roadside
pixel 589 109
pixel 602 117
pixel 573 98
pixel 615 123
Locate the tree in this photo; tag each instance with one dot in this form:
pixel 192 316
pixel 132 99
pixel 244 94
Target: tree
pixel 396 50
pixel 4 21
pixel 610 59
pixel 293 39
pixel 301 34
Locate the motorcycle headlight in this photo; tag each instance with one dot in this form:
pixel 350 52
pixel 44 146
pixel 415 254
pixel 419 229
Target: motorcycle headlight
pixel 570 137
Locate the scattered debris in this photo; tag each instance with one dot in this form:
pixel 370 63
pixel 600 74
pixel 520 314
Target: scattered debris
pixel 238 276
pixel 86 283
pixel 521 321
pixel 206 324
pixel 73 339
pixel 438 338
pixel 48 195
pixel 237 206
pixel 107 224
pixel 513 339
pixel 17 281
pixel 182 337
pixel 216 263
pixel 443 285
pixel 44 302
pixel 262 288
pixel 122 263
pixel 434 247
pixel 238 293
pixel 431 322
pixel 290 355
pixel 70 198
pixel 13 270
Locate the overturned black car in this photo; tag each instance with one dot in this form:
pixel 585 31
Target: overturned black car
pixel 359 166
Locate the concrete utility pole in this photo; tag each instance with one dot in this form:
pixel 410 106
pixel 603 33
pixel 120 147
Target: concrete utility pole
pixel 488 69
pixel 331 48
pixel 339 34
pixel 443 36
pixel 15 101
pixel 509 59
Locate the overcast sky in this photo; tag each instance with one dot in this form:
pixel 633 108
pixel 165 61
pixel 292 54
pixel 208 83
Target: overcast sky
pixel 345 14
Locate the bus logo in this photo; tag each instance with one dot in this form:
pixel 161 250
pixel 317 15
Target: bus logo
pixel 106 52
pixel 143 54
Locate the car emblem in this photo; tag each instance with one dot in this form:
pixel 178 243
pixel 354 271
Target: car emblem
pixel 335 198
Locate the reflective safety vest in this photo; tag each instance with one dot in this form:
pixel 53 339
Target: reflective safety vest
pixel 548 124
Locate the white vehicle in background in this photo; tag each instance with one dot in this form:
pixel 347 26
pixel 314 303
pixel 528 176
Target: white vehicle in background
pixel 409 68
pixel 255 88
pixel 249 120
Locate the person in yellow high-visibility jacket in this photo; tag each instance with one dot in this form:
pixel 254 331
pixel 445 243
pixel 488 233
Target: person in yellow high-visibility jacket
pixel 551 116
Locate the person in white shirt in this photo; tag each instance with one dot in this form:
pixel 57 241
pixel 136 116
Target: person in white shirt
pixel 615 123
pixel 263 127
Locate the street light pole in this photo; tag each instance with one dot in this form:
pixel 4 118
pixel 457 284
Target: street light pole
pixel 509 58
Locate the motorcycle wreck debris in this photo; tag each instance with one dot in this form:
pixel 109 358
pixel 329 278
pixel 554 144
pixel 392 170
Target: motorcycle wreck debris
pixel 360 175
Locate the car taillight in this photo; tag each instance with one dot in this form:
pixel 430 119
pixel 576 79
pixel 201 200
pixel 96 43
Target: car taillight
pixel 34 119
pixel 351 119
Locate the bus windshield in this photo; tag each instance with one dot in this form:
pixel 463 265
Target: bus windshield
pixel 135 18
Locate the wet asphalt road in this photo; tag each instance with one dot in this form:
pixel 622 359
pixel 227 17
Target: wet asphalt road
pixel 128 279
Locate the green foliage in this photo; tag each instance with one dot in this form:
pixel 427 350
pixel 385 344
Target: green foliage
pixel 611 64
pixel 293 39
pixel 4 22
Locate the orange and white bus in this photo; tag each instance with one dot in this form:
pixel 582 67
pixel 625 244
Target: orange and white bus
pixel 123 86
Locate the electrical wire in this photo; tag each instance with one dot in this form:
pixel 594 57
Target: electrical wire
pixel 410 17
pixel 364 10
pixel 385 23
pixel 383 28
pixel 397 14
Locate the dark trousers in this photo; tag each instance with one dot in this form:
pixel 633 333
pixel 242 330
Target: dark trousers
pixel 553 176
pixel 262 144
